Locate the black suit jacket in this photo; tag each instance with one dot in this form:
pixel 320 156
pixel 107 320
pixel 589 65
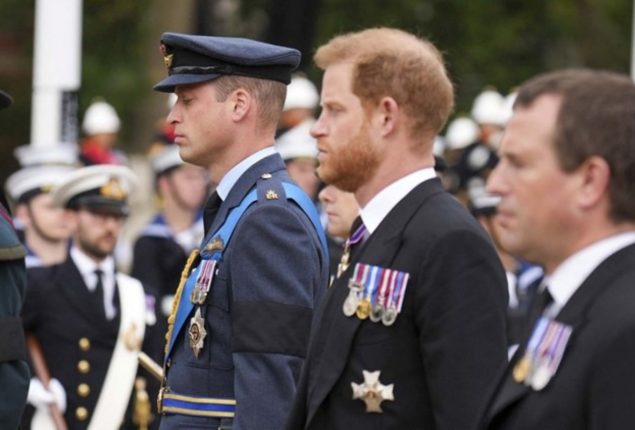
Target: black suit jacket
pixel 594 386
pixel 446 346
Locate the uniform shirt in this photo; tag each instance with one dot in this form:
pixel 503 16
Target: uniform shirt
pixel 569 275
pixel 379 206
pixel 87 267
pixel 225 185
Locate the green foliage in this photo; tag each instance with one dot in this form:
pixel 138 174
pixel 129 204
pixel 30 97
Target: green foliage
pixel 114 57
pixel 498 42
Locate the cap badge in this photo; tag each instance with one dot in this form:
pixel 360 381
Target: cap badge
pixel 113 190
pixel 167 58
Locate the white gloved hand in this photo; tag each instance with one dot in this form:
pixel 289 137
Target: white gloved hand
pixel 166 304
pixel 40 397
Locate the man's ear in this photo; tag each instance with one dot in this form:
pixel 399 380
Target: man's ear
pixel 595 176
pixel 241 103
pixel 389 112
pixel 22 213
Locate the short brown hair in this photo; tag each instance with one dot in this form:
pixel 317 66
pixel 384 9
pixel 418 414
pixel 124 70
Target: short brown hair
pixel 268 94
pixel 394 63
pixel 596 118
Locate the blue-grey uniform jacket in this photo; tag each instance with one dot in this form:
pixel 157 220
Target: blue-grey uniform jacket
pixel 14 371
pixel 257 314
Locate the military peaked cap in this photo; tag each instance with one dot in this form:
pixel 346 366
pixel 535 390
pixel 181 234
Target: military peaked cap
pixel 192 59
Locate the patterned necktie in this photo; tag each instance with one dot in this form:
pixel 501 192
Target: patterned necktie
pixel 210 211
pixel 359 230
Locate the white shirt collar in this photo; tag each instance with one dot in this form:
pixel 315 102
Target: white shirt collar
pixel 571 273
pixel 384 201
pixel 87 265
pixel 229 180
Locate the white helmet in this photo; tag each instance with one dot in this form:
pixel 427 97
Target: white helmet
pixel 461 132
pixel 297 142
pixel 508 106
pixel 488 108
pixel 301 94
pixel 100 117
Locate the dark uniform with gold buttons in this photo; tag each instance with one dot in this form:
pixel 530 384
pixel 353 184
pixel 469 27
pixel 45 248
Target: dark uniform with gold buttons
pixel 77 339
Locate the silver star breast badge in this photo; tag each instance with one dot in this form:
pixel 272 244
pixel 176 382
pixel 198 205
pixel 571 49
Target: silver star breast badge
pixel 372 391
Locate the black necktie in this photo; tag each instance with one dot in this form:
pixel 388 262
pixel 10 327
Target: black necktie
pixel 211 209
pixel 98 293
pixel 538 306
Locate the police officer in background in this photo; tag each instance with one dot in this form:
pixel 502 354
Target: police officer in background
pixel 412 332
pixel 242 315
pixel 88 318
pixel 14 371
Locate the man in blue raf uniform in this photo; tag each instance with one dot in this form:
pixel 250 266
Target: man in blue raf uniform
pixel 14 372
pixel 412 331
pixel 242 314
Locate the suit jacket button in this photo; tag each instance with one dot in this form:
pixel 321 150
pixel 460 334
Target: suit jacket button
pixel 81 413
pixel 83 390
pixel 84 344
pixel 83 366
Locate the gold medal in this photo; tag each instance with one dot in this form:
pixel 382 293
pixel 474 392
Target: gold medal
pixel 363 309
pixel 521 369
pixel 197 332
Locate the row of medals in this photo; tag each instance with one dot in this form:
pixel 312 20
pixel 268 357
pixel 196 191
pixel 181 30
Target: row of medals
pixel 363 308
pixel 197 332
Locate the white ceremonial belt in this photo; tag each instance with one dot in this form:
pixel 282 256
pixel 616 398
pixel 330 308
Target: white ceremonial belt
pixel 115 393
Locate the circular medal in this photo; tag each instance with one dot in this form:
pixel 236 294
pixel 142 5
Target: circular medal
pixel 350 304
pixel 363 309
pixel 540 377
pixel 389 316
pixel 521 369
pixel 376 312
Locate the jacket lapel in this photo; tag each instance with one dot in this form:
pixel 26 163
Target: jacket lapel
pixel 76 292
pixel 574 313
pixel 380 249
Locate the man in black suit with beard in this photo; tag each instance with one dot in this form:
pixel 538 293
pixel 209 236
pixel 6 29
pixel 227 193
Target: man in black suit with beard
pixel 412 331
pixel 567 202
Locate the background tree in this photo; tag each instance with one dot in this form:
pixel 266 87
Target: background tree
pixel 499 43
